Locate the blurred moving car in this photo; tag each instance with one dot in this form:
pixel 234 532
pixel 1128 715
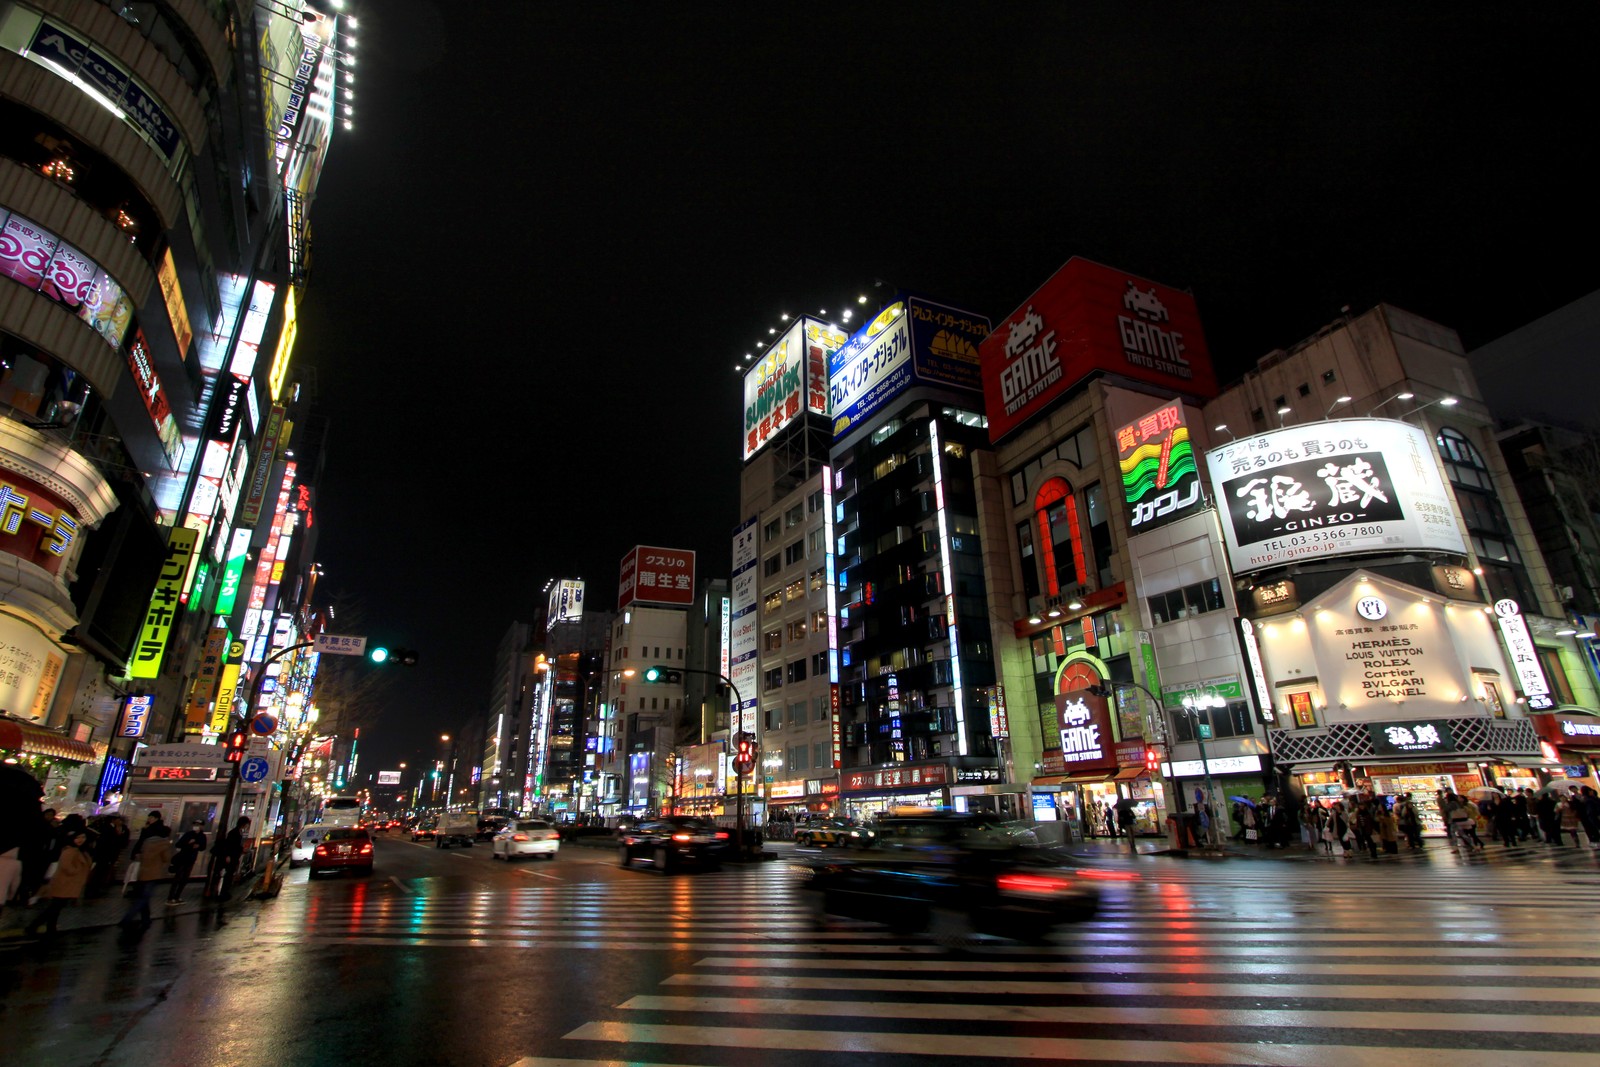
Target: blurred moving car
pixel 526 837
pixel 673 842
pixel 456 828
pixel 424 830
pixel 304 842
pixel 343 848
pixel 834 832
pixel 954 874
pixel 489 825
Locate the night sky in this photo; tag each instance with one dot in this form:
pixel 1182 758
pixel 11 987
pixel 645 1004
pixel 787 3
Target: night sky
pixel 556 228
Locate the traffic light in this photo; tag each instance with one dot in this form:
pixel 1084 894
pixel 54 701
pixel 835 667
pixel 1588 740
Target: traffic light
pixel 744 755
pixel 663 675
pixel 237 741
pixel 1152 759
pixel 404 657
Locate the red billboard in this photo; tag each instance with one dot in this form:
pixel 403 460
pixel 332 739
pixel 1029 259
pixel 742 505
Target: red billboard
pixel 1091 318
pixel 661 576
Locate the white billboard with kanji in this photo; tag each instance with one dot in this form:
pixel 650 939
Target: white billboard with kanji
pixel 1331 489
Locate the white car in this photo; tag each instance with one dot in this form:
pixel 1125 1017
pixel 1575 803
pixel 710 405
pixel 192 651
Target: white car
pixel 305 844
pixel 526 837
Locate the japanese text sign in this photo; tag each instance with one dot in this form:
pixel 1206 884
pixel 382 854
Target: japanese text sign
pixel 791 376
pixel 136 716
pixel 1160 479
pixel 662 576
pixel 151 644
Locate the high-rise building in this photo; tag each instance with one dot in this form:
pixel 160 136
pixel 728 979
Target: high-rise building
pixel 157 168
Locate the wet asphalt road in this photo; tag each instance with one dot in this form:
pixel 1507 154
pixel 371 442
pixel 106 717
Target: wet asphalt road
pixel 447 957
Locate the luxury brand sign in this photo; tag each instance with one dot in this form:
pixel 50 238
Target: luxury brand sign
pixel 1524 656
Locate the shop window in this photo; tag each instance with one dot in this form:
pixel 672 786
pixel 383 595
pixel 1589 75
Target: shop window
pixel 795 589
pixel 1556 675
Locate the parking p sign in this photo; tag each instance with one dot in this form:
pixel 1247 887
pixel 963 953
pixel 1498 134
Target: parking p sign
pixel 253 769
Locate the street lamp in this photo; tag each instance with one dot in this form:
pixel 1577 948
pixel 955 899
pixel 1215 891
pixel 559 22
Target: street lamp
pixel 1336 403
pixel 1403 395
pixel 1443 401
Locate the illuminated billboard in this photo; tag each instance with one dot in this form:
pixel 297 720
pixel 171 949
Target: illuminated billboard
pixel 37 259
pixel 1331 489
pixel 912 341
pixel 1160 478
pixel 1087 319
pixel 566 602
pixel 661 576
pixel 790 377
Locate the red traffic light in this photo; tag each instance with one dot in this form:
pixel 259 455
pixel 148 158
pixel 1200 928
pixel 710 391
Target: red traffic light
pixel 744 756
pixel 236 744
pixel 1152 759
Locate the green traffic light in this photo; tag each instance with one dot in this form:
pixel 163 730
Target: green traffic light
pixel 378 654
pixel 653 674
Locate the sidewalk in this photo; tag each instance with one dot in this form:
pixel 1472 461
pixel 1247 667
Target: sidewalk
pixel 107 910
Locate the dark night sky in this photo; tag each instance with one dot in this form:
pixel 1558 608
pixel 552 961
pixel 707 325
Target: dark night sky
pixel 556 227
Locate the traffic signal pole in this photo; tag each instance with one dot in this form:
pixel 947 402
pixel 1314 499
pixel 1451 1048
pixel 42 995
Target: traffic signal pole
pixel 735 732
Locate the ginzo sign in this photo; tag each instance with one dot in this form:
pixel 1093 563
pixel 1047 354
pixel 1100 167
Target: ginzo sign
pixel 1085 721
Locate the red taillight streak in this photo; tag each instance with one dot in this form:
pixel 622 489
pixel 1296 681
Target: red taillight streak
pixel 322 850
pixel 1111 876
pixel 519 837
pixel 680 837
pixel 1031 883
pixel 366 848
pixel 722 835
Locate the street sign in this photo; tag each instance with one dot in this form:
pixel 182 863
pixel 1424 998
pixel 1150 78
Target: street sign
pixel 254 769
pixel 1205 730
pixel 264 724
pixel 341 644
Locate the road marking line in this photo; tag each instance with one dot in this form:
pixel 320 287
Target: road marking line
pixel 1158 1016
pixel 399 886
pixel 1173 987
pixel 1061 1049
pixel 1444 970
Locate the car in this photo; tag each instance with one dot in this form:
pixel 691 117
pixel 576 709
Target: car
pixel 490 825
pixel 834 832
pixel 425 830
pixel 305 841
pixel 526 837
pixel 343 848
pixel 670 843
pixel 955 874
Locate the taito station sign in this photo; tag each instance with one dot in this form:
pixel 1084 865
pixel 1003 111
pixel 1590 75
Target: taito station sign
pixel 1090 318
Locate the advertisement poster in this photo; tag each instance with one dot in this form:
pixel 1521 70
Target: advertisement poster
pixel 1160 478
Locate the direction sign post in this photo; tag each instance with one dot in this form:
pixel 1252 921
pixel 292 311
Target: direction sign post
pixel 341 644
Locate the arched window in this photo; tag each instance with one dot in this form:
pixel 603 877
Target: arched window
pixel 1485 519
pixel 1060 542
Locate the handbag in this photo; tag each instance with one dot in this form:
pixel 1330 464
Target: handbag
pixel 130 876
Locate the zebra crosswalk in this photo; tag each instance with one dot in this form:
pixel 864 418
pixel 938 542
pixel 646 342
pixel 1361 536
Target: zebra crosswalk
pixel 1247 963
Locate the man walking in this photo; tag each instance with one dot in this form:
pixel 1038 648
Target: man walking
pixel 155 856
pixel 229 851
pixel 189 849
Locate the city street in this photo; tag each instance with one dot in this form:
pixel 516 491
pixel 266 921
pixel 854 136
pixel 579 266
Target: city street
pixel 448 957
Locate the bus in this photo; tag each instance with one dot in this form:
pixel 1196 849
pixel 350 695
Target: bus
pixel 341 811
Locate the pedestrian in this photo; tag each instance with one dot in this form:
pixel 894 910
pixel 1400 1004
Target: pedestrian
pixel 154 826
pixel 1589 814
pixel 37 852
pixel 1570 820
pixel 1522 806
pixel 1388 831
pixel 1463 821
pixel 109 844
pixel 1549 812
pixel 1366 828
pixel 1125 819
pixel 66 885
pixel 1410 823
pixel 1504 815
pixel 229 851
pixel 155 856
pixel 190 847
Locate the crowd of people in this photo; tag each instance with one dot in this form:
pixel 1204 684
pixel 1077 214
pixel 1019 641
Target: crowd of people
pixel 52 862
pixel 1371 823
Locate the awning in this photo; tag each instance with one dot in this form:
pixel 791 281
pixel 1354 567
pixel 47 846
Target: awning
pixel 1528 761
pixel 1122 774
pixel 36 740
pixel 1315 766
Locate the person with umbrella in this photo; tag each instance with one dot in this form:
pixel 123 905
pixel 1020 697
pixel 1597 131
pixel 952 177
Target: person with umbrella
pixel 1125 820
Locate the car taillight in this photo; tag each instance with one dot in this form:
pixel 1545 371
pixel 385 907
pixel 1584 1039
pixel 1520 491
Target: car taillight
pixel 367 847
pixel 722 835
pixel 680 837
pixel 551 835
pixel 519 837
pixel 322 850
pixel 1037 884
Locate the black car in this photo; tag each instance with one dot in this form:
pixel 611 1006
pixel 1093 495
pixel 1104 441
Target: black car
pixel 954 874
pixel 672 842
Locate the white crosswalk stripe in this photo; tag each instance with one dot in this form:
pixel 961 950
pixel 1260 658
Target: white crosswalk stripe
pixel 1298 964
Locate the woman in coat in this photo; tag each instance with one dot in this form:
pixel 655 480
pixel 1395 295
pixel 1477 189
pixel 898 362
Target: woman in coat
pixel 155 856
pixel 72 874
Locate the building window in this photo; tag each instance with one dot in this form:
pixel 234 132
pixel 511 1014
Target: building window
pixel 794 516
pixel 1231 721
pixel 772 640
pixel 774 717
pixel 797 713
pixel 795 589
pixel 1556 675
pixel 1304 390
pixel 819 755
pixel 1094 499
pixel 795 631
pixel 1195 599
pixel 814 502
pixel 1030 569
pixel 796 671
pixel 1328 377
pixel 1487 529
pixel 815 542
pixel 819 709
pixel 797 757
pixel 819 664
pixel 1055 518
pixel 772 602
pixel 817 580
pixel 794 553
pixel 772 679
pixel 772 565
pixel 819 621
pixel 771 530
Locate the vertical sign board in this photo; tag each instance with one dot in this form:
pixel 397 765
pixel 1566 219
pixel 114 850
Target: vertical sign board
pixel 1524 656
pixel 1160 478
pixel 743 638
pixel 157 625
pixel 205 682
pixel 1258 674
pixel 136 715
pixel 1085 726
pixel 661 576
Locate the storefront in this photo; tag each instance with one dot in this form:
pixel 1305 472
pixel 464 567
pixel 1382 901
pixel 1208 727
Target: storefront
pixel 1573 736
pixel 867 794
pixel 59 762
pixel 1231 777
